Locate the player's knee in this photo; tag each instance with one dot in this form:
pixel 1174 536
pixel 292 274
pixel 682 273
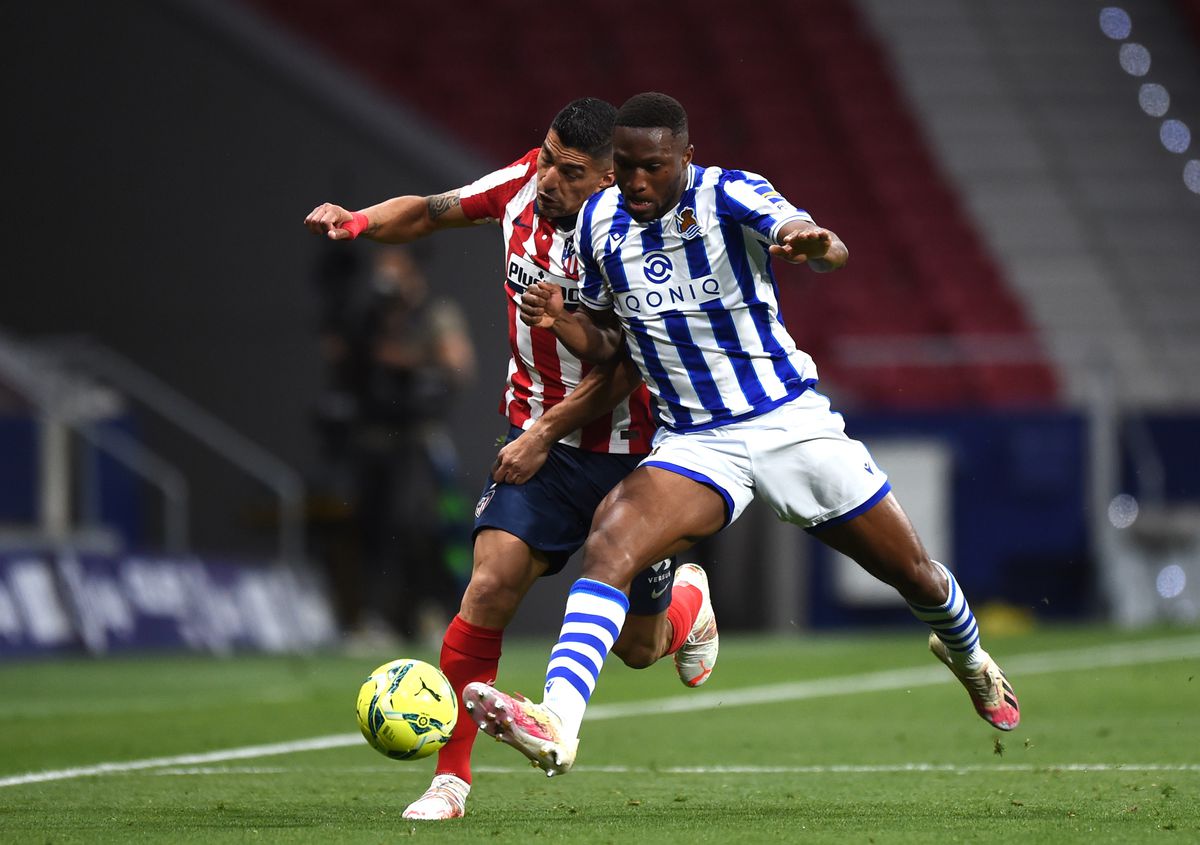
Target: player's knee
pixel 491 598
pixel 605 559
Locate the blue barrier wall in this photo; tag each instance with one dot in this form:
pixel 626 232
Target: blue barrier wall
pixel 107 494
pixel 1175 442
pixel 1019 512
pixel 60 601
pixel 18 469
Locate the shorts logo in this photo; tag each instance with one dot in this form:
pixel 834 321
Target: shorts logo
pixel 485 500
pixel 658 267
pixel 689 227
pixel 662 572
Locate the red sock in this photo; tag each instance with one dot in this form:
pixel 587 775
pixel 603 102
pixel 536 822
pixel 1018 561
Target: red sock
pixel 682 613
pixel 469 653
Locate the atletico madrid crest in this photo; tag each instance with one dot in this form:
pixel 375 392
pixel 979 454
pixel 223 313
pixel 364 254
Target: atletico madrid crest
pixel 485 500
pixel 570 263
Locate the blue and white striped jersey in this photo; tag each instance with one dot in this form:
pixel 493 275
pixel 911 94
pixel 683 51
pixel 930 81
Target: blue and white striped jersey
pixel 696 297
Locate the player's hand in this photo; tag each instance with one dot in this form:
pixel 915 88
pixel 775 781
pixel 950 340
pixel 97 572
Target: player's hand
pixel 803 244
pixel 541 304
pixel 329 219
pixel 520 460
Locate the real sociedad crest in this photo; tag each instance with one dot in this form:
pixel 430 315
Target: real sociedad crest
pixel 689 226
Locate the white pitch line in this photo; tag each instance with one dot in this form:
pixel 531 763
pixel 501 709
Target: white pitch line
pixel 1096 657
pixel 245 753
pixel 828 769
pixel 1121 654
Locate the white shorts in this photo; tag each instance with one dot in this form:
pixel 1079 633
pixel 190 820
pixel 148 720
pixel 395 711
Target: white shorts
pixel 796 457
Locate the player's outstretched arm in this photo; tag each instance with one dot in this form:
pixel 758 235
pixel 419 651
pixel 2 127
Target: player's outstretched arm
pixel 802 242
pixel 602 389
pixel 395 221
pixel 593 336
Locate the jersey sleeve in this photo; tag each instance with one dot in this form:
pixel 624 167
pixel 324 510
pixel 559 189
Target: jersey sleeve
pixel 486 197
pixel 594 291
pixel 754 203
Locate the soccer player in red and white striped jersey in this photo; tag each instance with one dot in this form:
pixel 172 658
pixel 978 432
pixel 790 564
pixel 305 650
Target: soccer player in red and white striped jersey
pixel 573 426
pixel 539 240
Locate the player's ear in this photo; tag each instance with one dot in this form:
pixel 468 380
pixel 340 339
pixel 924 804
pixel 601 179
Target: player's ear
pixel 607 180
pixel 687 155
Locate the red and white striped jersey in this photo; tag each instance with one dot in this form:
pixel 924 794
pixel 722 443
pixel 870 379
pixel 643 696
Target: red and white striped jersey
pixel 541 371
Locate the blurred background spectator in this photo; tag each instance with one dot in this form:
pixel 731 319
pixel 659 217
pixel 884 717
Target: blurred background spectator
pixel 396 358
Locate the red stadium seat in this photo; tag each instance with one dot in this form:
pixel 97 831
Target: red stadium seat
pixel 805 99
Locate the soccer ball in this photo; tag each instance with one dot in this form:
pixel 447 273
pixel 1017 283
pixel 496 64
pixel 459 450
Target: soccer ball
pixel 407 709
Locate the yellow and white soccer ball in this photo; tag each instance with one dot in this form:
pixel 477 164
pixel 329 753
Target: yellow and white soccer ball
pixel 407 709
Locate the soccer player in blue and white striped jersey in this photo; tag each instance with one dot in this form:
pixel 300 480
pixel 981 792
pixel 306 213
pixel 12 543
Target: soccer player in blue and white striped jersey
pixel 580 432
pixel 676 268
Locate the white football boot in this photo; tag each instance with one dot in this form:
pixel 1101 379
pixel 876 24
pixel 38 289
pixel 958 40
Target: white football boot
pixel 530 728
pixel 446 798
pixel 698 655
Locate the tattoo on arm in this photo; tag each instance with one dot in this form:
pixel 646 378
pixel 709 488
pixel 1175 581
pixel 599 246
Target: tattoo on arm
pixel 441 203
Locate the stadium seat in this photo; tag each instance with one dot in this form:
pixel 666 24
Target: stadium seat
pixel 853 154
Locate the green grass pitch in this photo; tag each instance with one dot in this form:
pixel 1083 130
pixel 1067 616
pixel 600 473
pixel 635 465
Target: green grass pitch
pixel 1108 750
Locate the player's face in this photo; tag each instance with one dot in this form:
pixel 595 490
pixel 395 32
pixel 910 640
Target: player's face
pixel 651 169
pixel 566 177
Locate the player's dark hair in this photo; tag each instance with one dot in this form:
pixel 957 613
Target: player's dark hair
pixel 586 125
pixel 652 110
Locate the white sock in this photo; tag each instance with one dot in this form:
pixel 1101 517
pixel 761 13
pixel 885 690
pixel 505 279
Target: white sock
pixel 595 614
pixel 954 624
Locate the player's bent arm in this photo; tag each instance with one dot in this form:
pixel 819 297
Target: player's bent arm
pixel 800 241
pixel 602 389
pixel 592 336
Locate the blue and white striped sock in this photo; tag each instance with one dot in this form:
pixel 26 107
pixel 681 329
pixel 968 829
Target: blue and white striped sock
pixel 595 614
pixel 954 624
